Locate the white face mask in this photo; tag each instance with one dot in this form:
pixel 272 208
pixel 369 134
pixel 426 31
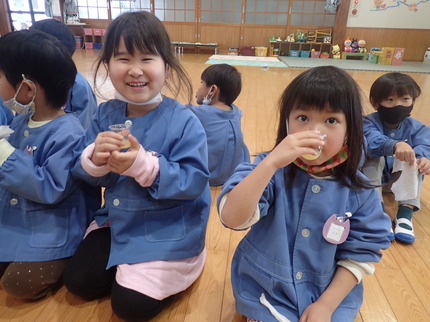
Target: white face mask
pixel 208 100
pixel 156 99
pixel 16 106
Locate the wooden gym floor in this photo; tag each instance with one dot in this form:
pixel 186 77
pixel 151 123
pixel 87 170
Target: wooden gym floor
pixel 398 291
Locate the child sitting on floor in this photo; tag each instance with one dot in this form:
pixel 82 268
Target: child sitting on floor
pixel 220 86
pixel 392 134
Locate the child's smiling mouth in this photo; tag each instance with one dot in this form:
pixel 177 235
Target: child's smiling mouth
pixel 137 84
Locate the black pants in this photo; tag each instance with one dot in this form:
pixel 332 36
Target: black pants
pixel 86 277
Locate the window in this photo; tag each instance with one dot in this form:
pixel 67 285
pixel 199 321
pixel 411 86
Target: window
pixel 311 13
pixel 92 9
pixel 120 6
pixel 221 11
pixel 175 10
pixel 262 12
pixel 267 12
pixel 23 13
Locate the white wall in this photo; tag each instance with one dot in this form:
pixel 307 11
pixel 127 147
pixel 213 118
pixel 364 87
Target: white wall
pixel 407 14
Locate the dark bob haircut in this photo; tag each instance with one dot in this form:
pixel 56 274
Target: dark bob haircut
pixel 393 84
pixel 330 87
pixel 228 80
pixel 43 59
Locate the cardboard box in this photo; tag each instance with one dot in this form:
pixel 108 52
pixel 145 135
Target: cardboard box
pixel 398 56
pixel 374 55
pixel 386 56
pixel 261 51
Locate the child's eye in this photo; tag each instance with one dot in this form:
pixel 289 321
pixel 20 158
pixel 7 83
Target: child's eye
pixel 331 120
pixel 302 118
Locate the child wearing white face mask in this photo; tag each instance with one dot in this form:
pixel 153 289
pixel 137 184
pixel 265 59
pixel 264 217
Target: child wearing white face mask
pixel 44 211
pixel 220 86
pixel 392 134
pixel 147 242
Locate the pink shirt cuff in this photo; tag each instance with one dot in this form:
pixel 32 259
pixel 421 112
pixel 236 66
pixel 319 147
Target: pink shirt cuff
pixel 89 166
pixel 145 168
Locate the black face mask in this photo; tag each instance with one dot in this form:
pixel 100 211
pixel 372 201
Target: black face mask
pixel 394 115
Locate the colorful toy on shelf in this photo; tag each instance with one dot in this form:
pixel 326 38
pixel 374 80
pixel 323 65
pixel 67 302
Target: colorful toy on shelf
pixel 335 51
pixel 347 44
pixel 354 46
pixel 278 38
pixel 374 55
pixel 290 38
pixel 272 38
pixel 300 36
pixel 362 46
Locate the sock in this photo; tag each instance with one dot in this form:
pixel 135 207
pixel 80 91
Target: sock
pixel 405 212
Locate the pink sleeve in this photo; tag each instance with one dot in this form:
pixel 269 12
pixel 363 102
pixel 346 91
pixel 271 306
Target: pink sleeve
pixel 145 168
pixel 89 166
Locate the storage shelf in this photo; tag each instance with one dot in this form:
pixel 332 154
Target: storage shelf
pixel 283 48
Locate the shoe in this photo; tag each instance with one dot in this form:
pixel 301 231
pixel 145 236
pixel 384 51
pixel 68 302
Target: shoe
pixel 402 234
pixel 391 235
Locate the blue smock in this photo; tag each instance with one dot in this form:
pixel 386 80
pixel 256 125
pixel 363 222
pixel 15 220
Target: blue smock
pixel 285 256
pixel 226 146
pixel 44 211
pixel 381 140
pixel 168 219
pixel 6 114
pixel 81 100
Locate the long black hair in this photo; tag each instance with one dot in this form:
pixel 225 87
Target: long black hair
pixel 144 32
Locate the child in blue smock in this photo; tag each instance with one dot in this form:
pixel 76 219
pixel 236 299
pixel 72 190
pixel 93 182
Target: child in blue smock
pixel 148 240
pixel 397 143
pixel 6 115
pixel 44 211
pixel 220 86
pixel 316 223
pixel 81 99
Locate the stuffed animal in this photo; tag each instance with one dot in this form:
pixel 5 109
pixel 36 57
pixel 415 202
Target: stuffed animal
pixel 354 46
pixel 336 51
pixel 361 46
pixel 347 44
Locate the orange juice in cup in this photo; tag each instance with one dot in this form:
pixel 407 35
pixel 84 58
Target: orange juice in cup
pixel 318 150
pixel 119 128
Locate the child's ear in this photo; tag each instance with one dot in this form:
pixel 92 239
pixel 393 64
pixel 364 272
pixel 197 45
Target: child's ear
pixel 374 105
pixel 214 89
pixel 28 90
pixel 167 70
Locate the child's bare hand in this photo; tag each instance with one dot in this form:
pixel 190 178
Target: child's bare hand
pixel 121 161
pixel 423 166
pixel 316 312
pixel 105 143
pixel 404 152
pixel 295 145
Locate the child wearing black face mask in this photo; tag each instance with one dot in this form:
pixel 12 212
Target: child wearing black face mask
pixel 392 134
